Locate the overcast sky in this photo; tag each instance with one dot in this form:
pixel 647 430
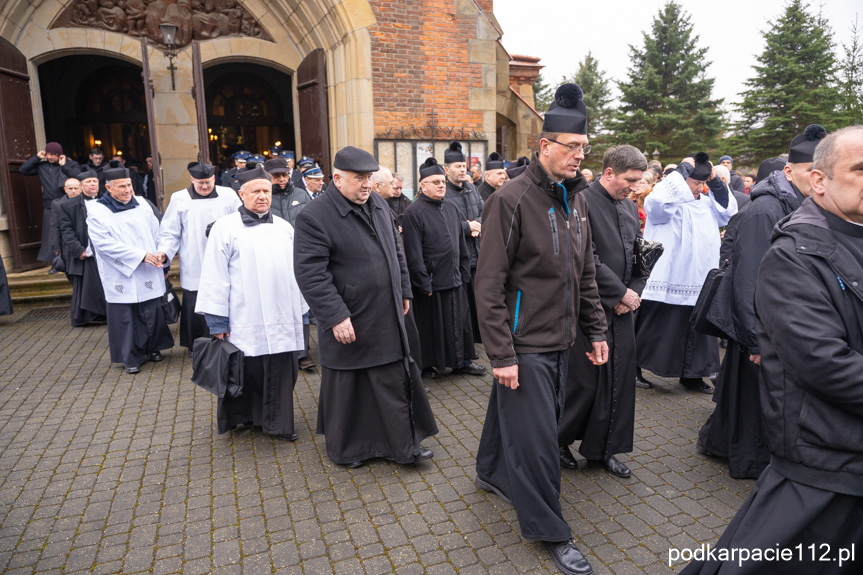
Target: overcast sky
pixel 561 32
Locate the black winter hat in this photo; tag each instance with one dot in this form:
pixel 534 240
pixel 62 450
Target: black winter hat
pixel 803 146
pixel 353 159
pixel 494 162
pixel 518 167
pixel 431 168
pixel 567 114
pixel 453 154
pixel 115 171
pixel 702 167
pixel 767 167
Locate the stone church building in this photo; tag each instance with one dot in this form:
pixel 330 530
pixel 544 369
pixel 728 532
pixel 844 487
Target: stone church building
pixel 399 78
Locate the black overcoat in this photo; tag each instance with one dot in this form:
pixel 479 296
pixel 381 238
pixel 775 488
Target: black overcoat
pixel 435 249
pixel 73 230
pixel 347 268
pixel 469 205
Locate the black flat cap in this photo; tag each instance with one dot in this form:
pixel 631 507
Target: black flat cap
pixel 201 171
pixel 86 174
pixel 353 159
pixel 256 173
pixel 431 168
pixel 277 166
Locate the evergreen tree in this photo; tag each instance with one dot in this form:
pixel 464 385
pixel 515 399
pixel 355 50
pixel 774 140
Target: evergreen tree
pixel 543 95
pixel 597 99
pixel 667 101
pixel 851 79
pixel 794 85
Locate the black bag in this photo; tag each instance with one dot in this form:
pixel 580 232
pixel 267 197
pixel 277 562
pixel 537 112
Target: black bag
pixel 217 367
pixel 705 301
pixel 58 263
pixel 170 303
pixel 646 255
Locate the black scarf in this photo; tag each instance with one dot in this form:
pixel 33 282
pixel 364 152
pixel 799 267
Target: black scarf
pixel 250 218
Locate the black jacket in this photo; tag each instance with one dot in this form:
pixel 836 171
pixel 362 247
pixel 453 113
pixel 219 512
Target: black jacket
pixel 484 190
pixel 399 206
pixel 347 268
pixel 51 176
pixel 747 238
pixel 469 205
pixel 73 229
pixel 536 277
pixel 288 201
pixel 809 302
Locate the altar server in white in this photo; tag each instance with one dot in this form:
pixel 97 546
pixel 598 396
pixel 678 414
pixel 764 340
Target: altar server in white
pixel 123 230
pixel 184 227
pixel 248 294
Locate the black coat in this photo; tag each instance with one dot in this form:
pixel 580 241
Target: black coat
pixel 297 180
pixel 809 300
pixel 346 267
pixel 469 205
pixel 399 205
pixel 485 190
pixel 51 176
pixel 435 249
pixel 73 230
pixel 287 203
pixel 737 184
pixel 57 244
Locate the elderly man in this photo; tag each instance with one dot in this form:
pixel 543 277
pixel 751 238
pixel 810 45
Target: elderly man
pixel 88 298
pixel 725 175
pixel 248 294
pixel 313 178
pixel 536 287
pixel 184 228
pixel 53 168
pixel 735 181
pixel 494 177
pixel 600 400
pixel 734 429
pixel 438 266
pixel 72 188
pixel 398 202
pixel 809 326
pixel 352 271
pixel 686 222
pixel 588 175
pixel 123 229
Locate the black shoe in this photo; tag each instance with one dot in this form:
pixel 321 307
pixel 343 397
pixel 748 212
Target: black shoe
pixel 133 369
pixel 423 455
pixel 615 467
pixel 486 486
pixel 642 383
pixel 287 437
pixel 471 369
pixel 696 384
pixel 306 363
pixel 354 464
pixel 568 558
pixel 429 373
pixel 155 357
pixel 566 458
pixel 189 352
pixel 52 271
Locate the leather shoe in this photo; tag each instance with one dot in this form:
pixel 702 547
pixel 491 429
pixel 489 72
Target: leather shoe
pixel 429 373
pixel 306 363
pixel 52 271
pixel 642 383
pixel 615 467
pixel 696 384
pixel 133 369
pixel 566 458
pixel 486 486
pixel 423 455
pixel 155 356
pixel 471 369
pixel 568 558
pixel 354 464
pixel 287 437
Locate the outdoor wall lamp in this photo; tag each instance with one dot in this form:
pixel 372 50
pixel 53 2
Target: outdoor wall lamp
pixel 169 39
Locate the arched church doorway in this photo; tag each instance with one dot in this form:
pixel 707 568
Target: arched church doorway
pixel 94 101
pixel 249 107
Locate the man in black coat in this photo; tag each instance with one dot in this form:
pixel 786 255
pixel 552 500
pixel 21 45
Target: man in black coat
pixel 72 188
pixel 398 202
pixel 352 273
pixel 600 400
pixel 88 297
pixel 809 306
pixel 735 182
pixel 494 176
pixel 733 431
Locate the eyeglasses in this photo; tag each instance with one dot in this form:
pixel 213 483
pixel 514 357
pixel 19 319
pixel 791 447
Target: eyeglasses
pixel 574 148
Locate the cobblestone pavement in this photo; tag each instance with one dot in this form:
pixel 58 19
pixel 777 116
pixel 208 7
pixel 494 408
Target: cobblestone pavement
pixel 109 473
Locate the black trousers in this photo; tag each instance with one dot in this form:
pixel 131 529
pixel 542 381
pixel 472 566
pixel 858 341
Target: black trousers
pixel 518 450
pixel 192 325
pixel 135 330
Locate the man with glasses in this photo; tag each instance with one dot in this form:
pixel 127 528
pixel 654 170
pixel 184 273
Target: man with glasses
pixel 536 288
pixel 398 202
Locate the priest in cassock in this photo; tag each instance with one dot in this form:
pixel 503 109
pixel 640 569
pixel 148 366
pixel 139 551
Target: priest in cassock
pixel 72 188
pixel 439 268
pixel 122 229
pixel 494 176
pixel 599 407
pixel 184 228
pixel 249 295
pixel 88 298
pixel 352 272
pixel 686 222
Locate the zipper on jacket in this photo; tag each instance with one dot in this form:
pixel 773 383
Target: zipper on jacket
pixel 577 228
pixel 517 308
pixel 553 221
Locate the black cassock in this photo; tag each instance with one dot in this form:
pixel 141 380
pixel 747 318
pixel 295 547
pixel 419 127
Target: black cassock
pixel 348 263
pixel 600 400
pixel 439 264
pixel 5 297
pixel 88 297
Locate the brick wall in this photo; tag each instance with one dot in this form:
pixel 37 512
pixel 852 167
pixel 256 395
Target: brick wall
pixel 420 61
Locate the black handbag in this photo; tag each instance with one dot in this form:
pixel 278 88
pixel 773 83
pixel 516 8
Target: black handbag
pixel 646 255
pixel 170 303
pixel 217 366
pixel 705 300
pixel 58 263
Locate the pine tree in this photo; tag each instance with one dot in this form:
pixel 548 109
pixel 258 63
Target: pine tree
pixel 794 85
pixel 667 101
pixel 851 79
pixel 542 94
pixel 597 99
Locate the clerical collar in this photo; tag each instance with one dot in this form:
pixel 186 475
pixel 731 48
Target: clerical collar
pixel 115 205
pixel 250 218
pixel 196 196
pixel 842 226
pixel 432 200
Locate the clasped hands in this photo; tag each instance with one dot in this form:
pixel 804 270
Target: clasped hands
pixel 629 302
pixel 156 260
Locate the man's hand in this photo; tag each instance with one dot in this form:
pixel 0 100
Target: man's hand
pixel 152 259
pixel 755 358
pixel 599 355
pixel 41 154
pixel 631 299
pixel 507 376
pixel 222 335
pixel 475 228
pixel 62 160
pixel 406 306
pixel 344 331
pixel 621 308
pixel 690 161
pixel 83 255
pixel 162 257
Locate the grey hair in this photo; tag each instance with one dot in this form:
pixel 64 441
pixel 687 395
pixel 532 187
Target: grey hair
pixel 243 187
pixel 623 158
pixel 381 175
pixel 399 177
pixel 827 152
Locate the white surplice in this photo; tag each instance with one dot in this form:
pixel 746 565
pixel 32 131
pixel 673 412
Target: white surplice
pixel 121 240
pixel 247 275
pixel 184 228
pixel 688 229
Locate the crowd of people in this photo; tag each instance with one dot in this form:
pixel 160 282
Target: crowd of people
pixel 539 261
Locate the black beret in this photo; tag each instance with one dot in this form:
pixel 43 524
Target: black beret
pixel 86 174
pixel 702 167
pixel 431 168
pixel 115 171
pixel 353 159
pixel 256 173
pixel 518 167
pixel 277 166
pixel 769 166
pixel 567 114
pixel 494 162
pixel 453 154
pixel 200 170
pixel 803 146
